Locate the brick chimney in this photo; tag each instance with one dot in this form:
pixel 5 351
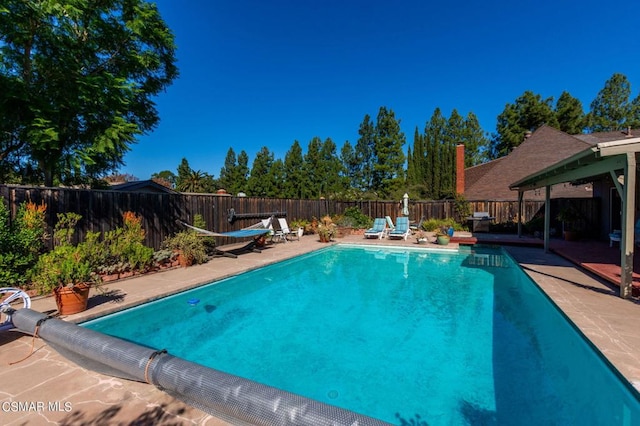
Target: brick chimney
pixel 460 169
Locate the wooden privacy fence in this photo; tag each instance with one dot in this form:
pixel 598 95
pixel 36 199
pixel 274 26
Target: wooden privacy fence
pixel 102 210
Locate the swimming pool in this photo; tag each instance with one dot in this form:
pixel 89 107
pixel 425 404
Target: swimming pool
pixel 398 334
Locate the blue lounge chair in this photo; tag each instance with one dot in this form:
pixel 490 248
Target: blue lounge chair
pixel 378 230
pixel 402 228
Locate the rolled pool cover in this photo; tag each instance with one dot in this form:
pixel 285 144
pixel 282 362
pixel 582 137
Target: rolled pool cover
pixel 232 398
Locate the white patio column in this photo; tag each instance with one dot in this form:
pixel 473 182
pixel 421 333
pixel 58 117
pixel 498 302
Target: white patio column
pixel 628 217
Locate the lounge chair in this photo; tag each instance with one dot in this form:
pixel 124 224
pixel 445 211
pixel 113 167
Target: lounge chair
pixel 390 223
pixel 418 226
pixel 378 230
pixel 281 231
pixel 259 229
pixel 402 228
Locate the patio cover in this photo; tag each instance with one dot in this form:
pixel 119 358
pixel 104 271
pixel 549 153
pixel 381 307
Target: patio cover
pixel 618 158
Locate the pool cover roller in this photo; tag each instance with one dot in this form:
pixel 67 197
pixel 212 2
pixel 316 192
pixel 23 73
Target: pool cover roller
pixel 232 398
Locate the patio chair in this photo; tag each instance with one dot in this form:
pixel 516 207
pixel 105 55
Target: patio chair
pixel 616 235
pixel 281 231
pixel 390 223
pixel 418 226
pixel 402 228
pixel 378 230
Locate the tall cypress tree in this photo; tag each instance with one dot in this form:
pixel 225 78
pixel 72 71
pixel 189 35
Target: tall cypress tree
pixel 434 136
pixel 453 135
pixel 417 161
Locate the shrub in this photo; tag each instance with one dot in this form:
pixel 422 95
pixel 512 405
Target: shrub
pixel 65 228
pixel 433 225
pixel 123 248
pixel 461 208
pixel 353 217
pixel 209 242
pixel 21 242
pixel 189 244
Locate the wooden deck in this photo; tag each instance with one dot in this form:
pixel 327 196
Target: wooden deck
pixel 594 256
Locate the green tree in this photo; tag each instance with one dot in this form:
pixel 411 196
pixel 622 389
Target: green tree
pixel 313 169
pixel 434 135
pixel 166 176
pixel 184 170
pixel 228 172
pixel 454 134
pixel 388 167
pixel 261 181
pixel 476 145
pixel 294 180
pixel 611 109
pixel 569 113
pixel 242 172
pixel 78 80
pixel 276 175
pixel 526 114
pixel 331 170
pixel 197 181
pixel 350 165
pixel 189 180
pixel 364 152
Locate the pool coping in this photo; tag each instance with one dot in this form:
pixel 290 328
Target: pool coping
pixel 590 303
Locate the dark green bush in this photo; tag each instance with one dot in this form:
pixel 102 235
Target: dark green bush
pixel 20 242
pixel 354 218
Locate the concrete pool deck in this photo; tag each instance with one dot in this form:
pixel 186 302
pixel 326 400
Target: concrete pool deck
pixel 46 388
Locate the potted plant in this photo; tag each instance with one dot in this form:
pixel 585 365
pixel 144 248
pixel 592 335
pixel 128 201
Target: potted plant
pixel 422 237
pixel 67 271
pixel 326 229
pixel 570 217
pixel 442 236
pixel 69 275
pixel 189 246
pixel 298 226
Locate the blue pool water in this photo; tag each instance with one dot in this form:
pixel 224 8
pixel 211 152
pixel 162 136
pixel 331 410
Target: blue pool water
pixel 406 336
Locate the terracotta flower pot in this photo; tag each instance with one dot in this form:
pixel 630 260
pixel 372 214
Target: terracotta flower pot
pixel 71 300
pixel 184 261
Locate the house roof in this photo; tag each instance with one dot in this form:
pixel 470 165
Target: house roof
pixel 615 135
pixel 545 146
pixel 142 186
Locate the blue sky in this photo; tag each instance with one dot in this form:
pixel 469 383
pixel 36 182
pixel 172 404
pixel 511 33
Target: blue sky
pixel 267 73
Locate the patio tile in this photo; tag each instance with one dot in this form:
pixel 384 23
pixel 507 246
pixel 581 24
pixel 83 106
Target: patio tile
pixel 592 304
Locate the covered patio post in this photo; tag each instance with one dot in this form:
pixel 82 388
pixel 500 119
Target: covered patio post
pixel 627 241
